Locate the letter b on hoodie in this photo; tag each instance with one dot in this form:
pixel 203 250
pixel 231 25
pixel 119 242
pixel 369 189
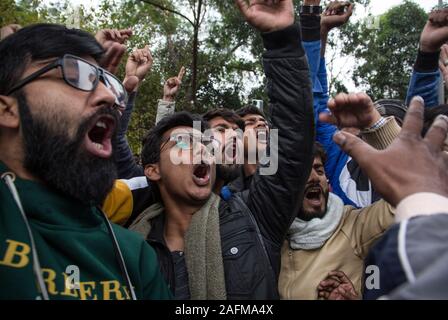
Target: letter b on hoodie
pixel 16 254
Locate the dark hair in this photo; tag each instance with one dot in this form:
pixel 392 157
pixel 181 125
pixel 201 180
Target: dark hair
pixel 226 114
pixel 319 151
pixel 153 140
pixel 39 42
pixel 431 114
pixel 250 109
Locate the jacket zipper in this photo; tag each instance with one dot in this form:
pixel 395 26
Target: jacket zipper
pixel 260 238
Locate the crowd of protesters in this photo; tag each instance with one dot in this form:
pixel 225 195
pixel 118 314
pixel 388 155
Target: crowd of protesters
pixel 310 198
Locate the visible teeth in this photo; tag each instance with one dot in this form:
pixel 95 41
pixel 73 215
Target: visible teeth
pixel 101 124
pixel 98 146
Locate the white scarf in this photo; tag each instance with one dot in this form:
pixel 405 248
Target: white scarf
pixel 310 235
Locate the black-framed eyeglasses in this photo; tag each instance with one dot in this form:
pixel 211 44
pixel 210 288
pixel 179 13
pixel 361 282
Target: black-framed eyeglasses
pixel 81 74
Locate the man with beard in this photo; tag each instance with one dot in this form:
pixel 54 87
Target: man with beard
pixel 327 236
pixel 58 113
pixel 210 248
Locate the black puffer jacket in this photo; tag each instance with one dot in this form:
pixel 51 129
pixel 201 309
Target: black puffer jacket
pixel 253 223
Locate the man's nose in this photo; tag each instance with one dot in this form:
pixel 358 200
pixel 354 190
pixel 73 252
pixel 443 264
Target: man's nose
pixel 199 148
pixel 231 134
pixel 314 177
pixel 103 95
pixel 262 124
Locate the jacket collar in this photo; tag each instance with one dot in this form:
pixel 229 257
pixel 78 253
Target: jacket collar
pixel 157 230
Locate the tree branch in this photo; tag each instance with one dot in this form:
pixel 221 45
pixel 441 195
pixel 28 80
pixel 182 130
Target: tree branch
pixel 161 7
pixel 193 9
pixel 203 13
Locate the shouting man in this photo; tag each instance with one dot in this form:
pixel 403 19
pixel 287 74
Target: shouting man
pixel 58 113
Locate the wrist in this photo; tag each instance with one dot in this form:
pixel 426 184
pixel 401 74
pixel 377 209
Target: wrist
pixel 324 30
pixel 283 43
pixel 168 98
pixel 427 61
pixel 427 48
pixel 132 80
pixel 382 134
pixel 376 121
pixel 310 25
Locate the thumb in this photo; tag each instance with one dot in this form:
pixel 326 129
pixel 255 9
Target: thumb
pixel 131 83
pixel 243 6
pixel 328 118
pixel 356 148
pixel 350 9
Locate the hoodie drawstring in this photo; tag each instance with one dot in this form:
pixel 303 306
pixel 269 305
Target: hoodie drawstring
pixel 9 179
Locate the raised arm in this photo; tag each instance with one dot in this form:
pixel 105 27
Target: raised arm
pixel 310 27
pixel 335 15
pixel 138 65
pixel 167 104
pixel 426 75
pixel 113 41
pixel 274 197
pixel 411 164
pixel 357 113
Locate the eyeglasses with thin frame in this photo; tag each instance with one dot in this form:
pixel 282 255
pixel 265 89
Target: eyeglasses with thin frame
pixel 188 141
pixel 82 75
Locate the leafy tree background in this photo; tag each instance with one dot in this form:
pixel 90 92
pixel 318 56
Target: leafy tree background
pixel 223 55
pixel 385 53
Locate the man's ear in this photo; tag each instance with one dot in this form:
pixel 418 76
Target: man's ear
pixel 152 172
pixel 9 112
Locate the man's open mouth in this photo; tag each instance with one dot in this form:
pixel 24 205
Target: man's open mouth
pixel 201 174
pixel 98 139
pixel 314 195
pixel 262 135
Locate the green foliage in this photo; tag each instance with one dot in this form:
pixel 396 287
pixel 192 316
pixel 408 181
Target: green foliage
pixel 385 55
pixel 19 12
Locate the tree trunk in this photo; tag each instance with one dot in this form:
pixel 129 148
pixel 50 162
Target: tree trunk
pixel 195 48
pixel 195 53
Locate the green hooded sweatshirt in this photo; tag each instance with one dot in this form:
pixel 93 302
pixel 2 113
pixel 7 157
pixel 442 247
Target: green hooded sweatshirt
pixel 74 247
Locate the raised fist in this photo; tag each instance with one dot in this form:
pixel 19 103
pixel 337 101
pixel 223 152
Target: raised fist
pixel 172 85
pixel 267 15
pixel 435 33
pixel 335 15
